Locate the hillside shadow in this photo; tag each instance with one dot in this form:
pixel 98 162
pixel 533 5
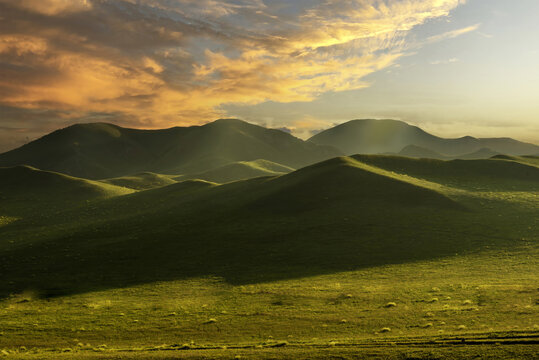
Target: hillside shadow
pixel 335 216
pixel 248 250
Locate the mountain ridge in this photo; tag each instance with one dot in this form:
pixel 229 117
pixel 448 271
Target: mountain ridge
pixel 102 150
pixel 369 136
pixel 105 151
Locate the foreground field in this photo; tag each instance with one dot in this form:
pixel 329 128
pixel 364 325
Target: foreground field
pixel 352 314
pixel 354 257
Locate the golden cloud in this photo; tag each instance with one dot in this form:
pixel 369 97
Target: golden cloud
pixel 52 7
pixel 163 62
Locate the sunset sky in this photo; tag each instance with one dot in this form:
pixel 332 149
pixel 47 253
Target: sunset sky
pixel 452 67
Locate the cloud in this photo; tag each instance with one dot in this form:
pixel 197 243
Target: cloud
pixel 453 34
pixel 52 7
pixel 445 62
pixel 156 63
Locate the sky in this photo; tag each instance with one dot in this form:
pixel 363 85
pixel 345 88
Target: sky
pixel 452 67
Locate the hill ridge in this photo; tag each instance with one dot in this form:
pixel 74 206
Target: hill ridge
pixel 103 150
pixel 370 136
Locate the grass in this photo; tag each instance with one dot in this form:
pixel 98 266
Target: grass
pixel 239 171
pixel 142 181
pixel 307 261
pixel 179 312
pixel 27 190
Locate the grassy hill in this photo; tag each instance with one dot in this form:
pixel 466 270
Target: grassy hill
pixel 142 181
pixel 26 190
pixel 335 215
pixel 421 153
pixel 484 153
pixel 473 175
pixel 424 153
pixel 99 150
pixel 239 171
pixel 348 252
pixel 530 160
pixel 391 136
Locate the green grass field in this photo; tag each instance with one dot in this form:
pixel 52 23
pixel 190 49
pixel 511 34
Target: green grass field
pixel 355 257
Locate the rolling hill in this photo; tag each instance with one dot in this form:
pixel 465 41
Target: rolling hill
pixel 484 153
pixel 335 251
pixel 141 181
pixel 420 152
pixel 100 150
pixel 342 213
pixel 239 171
pixel 492 174
pixel 391 136
pixel 24 189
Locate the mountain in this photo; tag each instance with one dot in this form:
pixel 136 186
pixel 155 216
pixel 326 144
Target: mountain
pixel 391 136
pixel 239 171
pixel 100 150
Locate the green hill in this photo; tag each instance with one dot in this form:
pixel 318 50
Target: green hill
pixel 421 153
pixel 24 190
pixel 484 153
pixel 424 153
pixel 464 174
pixel 142 181
pixel 391 136
pixel 99 150
pixel 339 214
pixel 530 160
pixel 240 171
pixel 347 183
pixel 369 250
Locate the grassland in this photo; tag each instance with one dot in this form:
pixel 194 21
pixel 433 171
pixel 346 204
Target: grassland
pixel 355 257
pixel 240 170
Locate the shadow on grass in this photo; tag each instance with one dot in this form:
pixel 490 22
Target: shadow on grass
pixel 328 218
pixel 250 249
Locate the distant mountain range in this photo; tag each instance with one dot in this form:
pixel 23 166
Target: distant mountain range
pixel 101 150
pixel 392 136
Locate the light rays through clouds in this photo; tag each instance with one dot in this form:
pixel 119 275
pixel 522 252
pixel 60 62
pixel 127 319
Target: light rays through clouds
pixel 159 63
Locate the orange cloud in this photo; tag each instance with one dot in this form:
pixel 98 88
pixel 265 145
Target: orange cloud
pixel 52 7
pixel 161 62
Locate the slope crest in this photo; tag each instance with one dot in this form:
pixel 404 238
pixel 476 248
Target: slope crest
pixel 240 170
pixel 346 182
pixel 24 188
pixel 492 174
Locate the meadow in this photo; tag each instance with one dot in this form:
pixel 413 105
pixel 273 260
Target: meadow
pixel 355 257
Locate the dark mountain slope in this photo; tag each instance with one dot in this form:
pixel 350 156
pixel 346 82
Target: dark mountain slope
pixel 104 151
pixel 93 151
